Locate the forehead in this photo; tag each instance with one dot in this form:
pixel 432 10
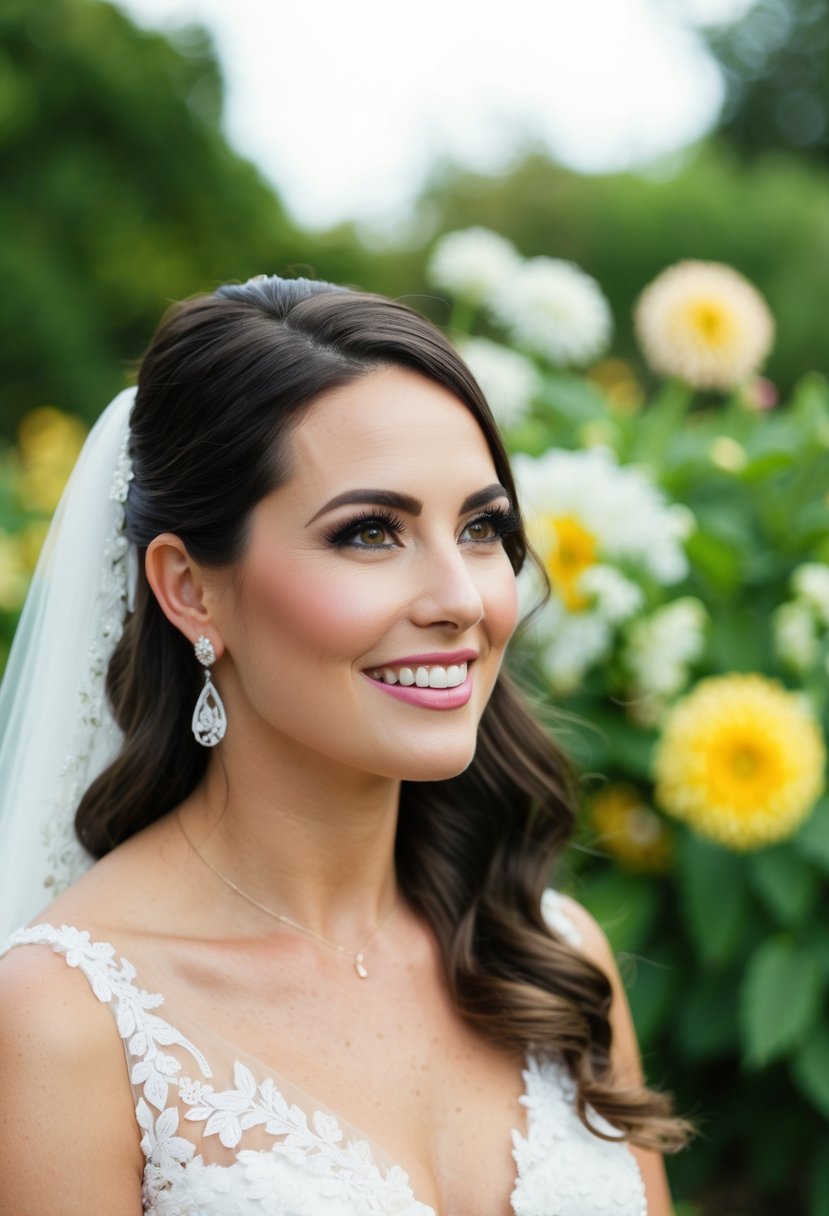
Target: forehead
pixel 393 424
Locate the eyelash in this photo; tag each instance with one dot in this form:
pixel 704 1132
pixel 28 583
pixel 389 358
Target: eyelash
pixel 504 520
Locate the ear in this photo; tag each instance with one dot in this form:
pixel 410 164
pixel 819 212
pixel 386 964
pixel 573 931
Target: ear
pixel 178 584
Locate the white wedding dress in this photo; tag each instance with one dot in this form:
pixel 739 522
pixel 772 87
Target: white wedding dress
pixel 223 1135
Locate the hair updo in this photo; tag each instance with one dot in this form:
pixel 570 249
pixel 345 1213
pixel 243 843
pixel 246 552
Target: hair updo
pixel 224 380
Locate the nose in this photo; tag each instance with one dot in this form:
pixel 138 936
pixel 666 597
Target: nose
pixel 445 593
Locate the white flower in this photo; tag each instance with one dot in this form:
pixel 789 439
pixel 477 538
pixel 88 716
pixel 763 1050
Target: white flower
pixel 619 508
pixel 704 322
pixel 569 645
pixel 510 381
pixel 595 526
pixel 795 635
pixel 472 263
pixel 660 647
pixel 553 308
pixel 811 583
pixel 615 597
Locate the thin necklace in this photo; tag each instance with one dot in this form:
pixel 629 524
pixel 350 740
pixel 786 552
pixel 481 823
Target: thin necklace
pixel 358 956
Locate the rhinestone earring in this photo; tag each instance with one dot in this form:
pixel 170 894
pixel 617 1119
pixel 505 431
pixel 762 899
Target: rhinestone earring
pixel 209 718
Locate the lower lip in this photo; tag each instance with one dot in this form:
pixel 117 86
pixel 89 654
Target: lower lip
pixel 428 698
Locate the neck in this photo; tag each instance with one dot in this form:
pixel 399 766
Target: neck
pixel 310 841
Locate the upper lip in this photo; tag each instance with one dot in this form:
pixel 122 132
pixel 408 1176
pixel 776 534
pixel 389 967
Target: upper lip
pixel 442 658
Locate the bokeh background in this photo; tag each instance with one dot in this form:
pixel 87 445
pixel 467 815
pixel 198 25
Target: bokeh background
pixel 673 448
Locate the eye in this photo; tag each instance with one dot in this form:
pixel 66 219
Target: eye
pixel 481 529
pixel 492 526
pixel 368 531
pixel 371 535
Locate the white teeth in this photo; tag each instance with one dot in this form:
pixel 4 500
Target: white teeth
pixel 434 676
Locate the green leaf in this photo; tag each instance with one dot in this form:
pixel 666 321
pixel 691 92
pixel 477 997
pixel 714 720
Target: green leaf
pixel 810 1068
pixel 819 1182
pixel 707 1021
pixel 718 561
pixel 715 898
pixel 780 999
pixel 625 905
pixel 786 883
pixel 813 838
pixel 651 987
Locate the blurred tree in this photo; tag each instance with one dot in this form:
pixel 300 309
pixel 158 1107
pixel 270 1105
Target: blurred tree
pixel 776 63
pixel 119 192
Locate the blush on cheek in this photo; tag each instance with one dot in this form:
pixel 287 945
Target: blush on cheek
pixel 309 613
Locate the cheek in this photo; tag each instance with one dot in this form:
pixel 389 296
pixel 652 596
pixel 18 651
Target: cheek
pixel 501 604
pixel 307 612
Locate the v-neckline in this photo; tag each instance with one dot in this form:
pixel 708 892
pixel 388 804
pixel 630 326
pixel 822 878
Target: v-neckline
pixel 381 1158
pixel 77 946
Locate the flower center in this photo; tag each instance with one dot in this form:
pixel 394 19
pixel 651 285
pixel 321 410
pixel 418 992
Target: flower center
pixel 573 551
pixel 711 322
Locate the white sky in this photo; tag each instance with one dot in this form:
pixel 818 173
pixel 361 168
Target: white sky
pixel 345 104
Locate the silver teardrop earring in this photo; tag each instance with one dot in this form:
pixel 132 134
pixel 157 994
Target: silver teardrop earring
pixel 209 718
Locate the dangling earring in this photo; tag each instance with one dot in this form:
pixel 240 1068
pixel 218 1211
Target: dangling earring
pixel 209 718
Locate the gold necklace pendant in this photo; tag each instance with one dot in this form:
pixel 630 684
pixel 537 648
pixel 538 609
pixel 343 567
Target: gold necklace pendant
pixel 360 965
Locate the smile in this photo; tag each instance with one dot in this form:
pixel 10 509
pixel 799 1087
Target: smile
pixel 432 676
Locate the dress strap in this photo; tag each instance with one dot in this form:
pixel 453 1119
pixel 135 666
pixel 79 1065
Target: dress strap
pixel 111 978
pixel 554 911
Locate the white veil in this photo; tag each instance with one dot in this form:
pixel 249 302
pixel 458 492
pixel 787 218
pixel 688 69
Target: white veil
pixel 56 731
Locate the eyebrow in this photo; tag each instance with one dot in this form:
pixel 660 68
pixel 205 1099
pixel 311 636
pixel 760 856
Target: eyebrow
pixel 405 502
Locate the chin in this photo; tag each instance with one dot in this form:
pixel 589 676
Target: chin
pixel 437 765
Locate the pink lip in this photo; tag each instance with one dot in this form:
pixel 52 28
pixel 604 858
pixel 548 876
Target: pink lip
pixel 427 698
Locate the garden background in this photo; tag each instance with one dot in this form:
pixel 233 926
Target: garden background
pixel 678 498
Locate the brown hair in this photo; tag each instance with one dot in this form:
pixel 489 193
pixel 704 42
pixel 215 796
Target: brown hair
pixel 224 379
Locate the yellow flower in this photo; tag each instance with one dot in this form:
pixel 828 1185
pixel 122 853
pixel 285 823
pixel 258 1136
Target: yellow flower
pixel 623 391
pixel 741 759
pixel 630 830
pixel 705 323
pixel 570 550
pixel 14 576
pixel 49 442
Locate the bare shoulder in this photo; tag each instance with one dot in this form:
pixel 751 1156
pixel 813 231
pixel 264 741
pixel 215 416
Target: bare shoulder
pixel 60 1055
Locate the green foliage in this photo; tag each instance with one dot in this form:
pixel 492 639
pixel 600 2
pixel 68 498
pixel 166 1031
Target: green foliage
pixel 723 949
pixel 769 218
pixel 775 71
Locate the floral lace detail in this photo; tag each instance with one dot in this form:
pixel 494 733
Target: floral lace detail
pixel 66 859
pixel 347 1168
pixel 563 1167
pixel 310 1169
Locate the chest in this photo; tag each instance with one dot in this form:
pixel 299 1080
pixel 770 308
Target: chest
pixel 390 1055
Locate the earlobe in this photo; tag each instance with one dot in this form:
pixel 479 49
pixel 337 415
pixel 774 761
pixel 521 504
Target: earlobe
pixel 177 583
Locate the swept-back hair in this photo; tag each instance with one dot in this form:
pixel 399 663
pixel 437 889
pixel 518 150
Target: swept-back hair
pixel 224 380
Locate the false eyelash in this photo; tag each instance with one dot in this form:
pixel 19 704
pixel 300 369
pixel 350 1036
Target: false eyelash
pixel 505 520
pixel 342 533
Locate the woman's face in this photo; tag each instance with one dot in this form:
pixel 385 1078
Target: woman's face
pixel 368 618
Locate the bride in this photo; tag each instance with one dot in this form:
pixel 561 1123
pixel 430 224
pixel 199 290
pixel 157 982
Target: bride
pixel 260 666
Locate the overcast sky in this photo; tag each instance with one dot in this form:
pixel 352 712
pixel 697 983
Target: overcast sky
pixel 344 104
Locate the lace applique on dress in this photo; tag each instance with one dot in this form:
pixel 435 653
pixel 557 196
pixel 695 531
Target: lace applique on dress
pixel 308 1162
pixel 241 1148
pixel 562 1167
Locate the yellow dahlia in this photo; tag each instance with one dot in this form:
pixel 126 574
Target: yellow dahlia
pixel 50 442
pixel 630 830
pixel 705 323
pixel 741 760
